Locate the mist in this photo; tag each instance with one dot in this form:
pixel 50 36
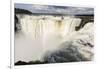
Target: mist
pixel 39 34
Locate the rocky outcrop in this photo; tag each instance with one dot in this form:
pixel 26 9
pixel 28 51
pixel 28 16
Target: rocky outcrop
pixel 30 62
pixel 85 19
pixel 22 11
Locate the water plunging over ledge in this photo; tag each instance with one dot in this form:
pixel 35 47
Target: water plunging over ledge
pixel 41 33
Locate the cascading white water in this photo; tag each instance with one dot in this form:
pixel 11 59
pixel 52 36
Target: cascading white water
pixel 40 34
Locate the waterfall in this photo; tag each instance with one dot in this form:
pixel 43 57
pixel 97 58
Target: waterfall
pixel 41 33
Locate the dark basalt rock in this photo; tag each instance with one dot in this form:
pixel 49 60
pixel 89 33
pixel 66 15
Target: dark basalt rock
pixel 22 11
pixel 17 25
pixel 20 63
pixel 85 20
pixel 30 62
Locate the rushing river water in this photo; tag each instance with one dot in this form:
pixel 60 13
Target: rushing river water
pixel 41 33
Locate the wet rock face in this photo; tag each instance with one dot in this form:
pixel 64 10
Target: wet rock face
pixel 29 63
pixel 85 20
pixel 17 25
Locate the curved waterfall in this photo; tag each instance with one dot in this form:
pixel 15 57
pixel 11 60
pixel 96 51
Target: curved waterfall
pixel 41 33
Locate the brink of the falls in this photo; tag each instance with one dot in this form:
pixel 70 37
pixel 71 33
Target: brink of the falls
pixel 43 36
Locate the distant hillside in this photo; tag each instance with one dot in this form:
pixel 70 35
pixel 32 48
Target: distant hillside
pixel 22 11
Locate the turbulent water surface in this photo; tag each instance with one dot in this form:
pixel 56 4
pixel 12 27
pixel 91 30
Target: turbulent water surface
pixel 46 37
